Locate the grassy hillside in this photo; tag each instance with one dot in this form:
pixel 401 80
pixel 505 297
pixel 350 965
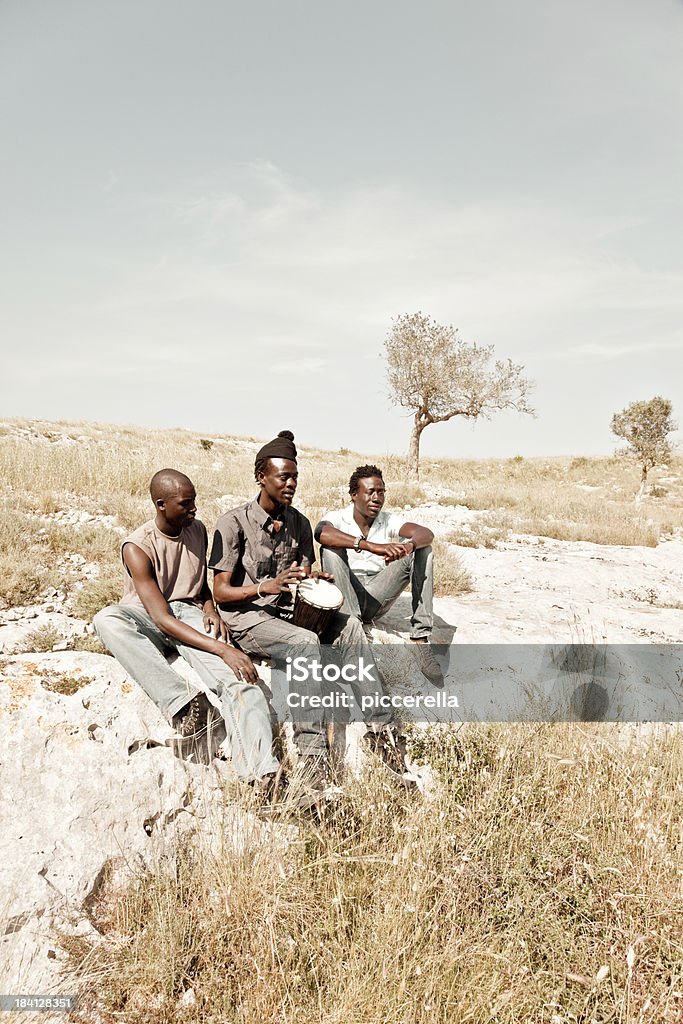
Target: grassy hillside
pixel 540 881
pixel 67 487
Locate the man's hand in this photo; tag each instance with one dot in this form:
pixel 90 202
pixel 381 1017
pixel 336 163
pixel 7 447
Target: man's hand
pixel 213 623
pixel 390 552
pixel 284 580
pixel 320 575
pixel 241 665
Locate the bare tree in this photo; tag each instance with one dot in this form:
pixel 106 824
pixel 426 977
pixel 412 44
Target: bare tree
pixel 437 375
pixel 645 427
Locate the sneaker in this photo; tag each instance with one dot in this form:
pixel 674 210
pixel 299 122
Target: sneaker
pixel 390 747
pixel 194 728
pixel 429 666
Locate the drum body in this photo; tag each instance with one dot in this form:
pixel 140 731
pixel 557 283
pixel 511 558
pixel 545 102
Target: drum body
pixel 316 604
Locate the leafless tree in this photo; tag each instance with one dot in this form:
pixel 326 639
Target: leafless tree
pixel 437 375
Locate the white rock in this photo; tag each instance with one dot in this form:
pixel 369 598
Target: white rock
pixel 188 998
pixel 89 794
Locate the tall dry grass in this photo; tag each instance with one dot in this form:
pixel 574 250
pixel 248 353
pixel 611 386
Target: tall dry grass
pixel 587 499
pixel 541 883
pixel 50 468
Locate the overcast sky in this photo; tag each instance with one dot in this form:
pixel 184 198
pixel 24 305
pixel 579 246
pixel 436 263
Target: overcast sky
pixel 213 210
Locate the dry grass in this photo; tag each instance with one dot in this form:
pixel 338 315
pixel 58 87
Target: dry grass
pixel 53 468
pixel 450 575
pixel 567 499
pixel 541 884
pixel 42 639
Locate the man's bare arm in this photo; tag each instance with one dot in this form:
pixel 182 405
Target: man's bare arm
pixel 156 606
pixel 420 536
pixel 329 536
pixel 225 593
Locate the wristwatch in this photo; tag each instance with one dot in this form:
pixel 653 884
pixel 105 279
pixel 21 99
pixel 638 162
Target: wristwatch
pixel 359 538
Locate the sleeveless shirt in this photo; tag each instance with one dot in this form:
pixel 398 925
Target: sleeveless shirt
pixel 179 563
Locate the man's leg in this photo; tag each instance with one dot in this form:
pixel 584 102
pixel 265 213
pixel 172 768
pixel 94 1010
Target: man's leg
pixel 336 561
pixel 137 643
pixel 352 648
pixel 383 736
pixel 385 586
pixel 244 708
pixel 277 636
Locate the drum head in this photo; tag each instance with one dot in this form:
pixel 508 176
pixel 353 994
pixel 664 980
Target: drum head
pixel 321 594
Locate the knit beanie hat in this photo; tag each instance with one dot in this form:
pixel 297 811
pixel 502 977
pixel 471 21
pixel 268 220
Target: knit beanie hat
pixel 281 447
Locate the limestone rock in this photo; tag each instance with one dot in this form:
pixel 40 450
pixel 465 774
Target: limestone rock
pixel 89 793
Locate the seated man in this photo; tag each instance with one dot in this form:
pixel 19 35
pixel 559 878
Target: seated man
pixel 259 550
pixel 373 555
pixel 167 605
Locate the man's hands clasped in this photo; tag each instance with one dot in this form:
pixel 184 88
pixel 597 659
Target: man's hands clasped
pixel 390 552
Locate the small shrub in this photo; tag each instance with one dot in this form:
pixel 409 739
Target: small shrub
pixel 450 575
pixel 94 595
pixel 42 639
pixel 89 643
pixel 478 536
pixel 64 683
pixel 19 584
pixel 206 443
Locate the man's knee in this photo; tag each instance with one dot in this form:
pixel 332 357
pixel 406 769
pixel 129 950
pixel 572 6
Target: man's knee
pixel 288 635
pixel 333 556
pixel 352 630
pixel 109 622
pixel 304 637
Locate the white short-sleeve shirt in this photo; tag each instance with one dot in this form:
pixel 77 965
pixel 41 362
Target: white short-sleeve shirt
pixel 386 528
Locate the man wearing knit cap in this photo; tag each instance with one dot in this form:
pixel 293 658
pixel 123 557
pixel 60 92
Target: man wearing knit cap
pixel 259 550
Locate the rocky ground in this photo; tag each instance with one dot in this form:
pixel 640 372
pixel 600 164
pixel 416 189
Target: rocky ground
pixel 89 791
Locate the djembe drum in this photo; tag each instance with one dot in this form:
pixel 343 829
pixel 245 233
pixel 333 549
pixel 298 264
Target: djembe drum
pixel 315 605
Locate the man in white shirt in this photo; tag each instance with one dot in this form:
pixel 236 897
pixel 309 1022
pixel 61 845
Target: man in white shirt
pixel 374 554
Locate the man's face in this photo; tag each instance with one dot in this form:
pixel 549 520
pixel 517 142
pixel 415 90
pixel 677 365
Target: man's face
pixel 279 480
pixel 179 509
pixel 369 497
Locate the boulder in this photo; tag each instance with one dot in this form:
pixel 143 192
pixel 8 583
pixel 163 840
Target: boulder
pixel 89 795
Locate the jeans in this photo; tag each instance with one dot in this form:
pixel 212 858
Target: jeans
pixel 277 636
pixel 368 597
pixel 140 646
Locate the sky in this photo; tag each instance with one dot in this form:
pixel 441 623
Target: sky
pixel 213 211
